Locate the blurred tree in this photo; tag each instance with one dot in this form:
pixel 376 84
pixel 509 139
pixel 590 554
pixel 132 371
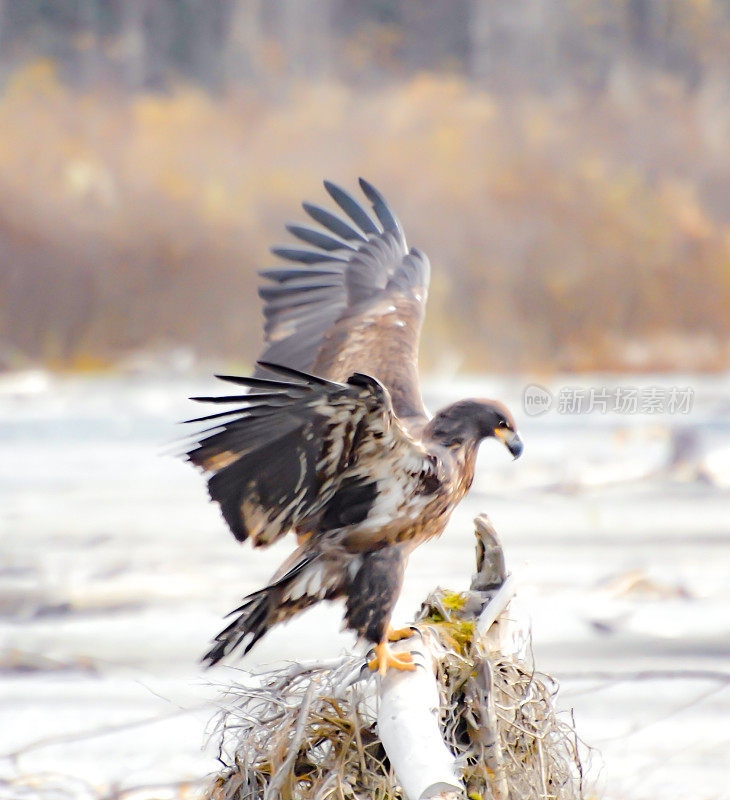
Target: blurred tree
pixel 542 44
pixel 567 158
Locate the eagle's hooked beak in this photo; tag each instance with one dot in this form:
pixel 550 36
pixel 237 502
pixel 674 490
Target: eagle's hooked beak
pixel 511 440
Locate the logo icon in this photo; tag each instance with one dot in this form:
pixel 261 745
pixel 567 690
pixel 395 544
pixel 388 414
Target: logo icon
pixel 536 400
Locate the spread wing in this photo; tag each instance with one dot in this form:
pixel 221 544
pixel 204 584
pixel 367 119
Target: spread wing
pixel 352 301
pixel 302 453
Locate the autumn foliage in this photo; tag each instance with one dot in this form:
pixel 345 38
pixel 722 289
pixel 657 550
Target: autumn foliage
pixel 589 231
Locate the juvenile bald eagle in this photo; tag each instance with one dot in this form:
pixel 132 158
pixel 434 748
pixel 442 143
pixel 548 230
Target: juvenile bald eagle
pixel 331 439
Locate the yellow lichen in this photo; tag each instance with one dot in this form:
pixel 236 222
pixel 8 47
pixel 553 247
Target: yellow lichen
pixel 454 633
pixel 454 601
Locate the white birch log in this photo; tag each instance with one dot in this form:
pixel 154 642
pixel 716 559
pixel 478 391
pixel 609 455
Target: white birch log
pixel 408 726
pixel 408 717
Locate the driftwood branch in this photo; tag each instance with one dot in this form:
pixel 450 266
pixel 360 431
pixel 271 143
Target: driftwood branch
pixel 409 701
pixel 408 726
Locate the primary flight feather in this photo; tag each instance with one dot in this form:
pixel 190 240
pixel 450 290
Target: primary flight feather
pixel 331 439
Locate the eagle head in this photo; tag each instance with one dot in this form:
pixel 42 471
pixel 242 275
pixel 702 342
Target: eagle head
pixel 468 422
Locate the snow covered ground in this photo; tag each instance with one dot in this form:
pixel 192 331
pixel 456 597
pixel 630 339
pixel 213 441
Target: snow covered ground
pixel 115 572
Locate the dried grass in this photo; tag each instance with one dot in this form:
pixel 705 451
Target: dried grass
pixel 309 731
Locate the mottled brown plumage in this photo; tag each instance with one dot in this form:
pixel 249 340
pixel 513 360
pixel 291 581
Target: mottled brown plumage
pixel 331 440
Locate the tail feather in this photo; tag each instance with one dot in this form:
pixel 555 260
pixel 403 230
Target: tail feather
pixel 299 587
pixel 246 629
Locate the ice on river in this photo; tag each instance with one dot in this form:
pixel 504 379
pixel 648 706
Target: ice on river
pixel 115 572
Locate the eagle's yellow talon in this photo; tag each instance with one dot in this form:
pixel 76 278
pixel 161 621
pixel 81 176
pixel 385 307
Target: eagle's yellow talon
pixel 384 657
pixel 396 634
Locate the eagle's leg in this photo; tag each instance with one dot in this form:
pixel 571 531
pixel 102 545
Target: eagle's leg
pixel 396 634
pixel 371 597
pixel 384 657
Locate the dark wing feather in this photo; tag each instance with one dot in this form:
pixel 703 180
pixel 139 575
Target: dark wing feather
pixel 363 311
pixel 292 447
pixel 351 207
pixel 317 238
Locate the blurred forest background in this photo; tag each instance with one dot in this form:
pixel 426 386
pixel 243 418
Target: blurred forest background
pixel 565 163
